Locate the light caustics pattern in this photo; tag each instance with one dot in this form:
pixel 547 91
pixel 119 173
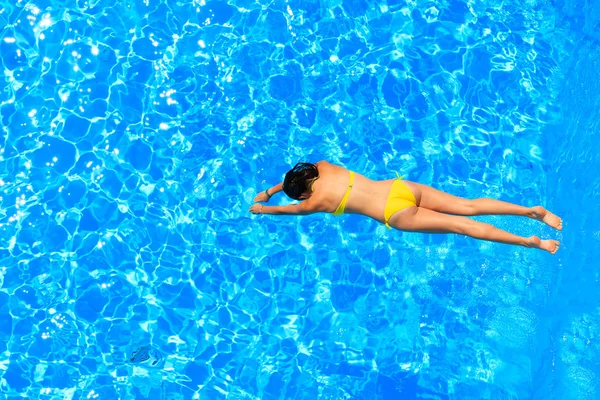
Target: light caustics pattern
pixel 135 135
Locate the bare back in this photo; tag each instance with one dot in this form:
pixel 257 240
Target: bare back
pixel 367 197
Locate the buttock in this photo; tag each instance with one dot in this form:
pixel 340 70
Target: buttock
pixel 415 190
pixel 404 213
pixel 400 197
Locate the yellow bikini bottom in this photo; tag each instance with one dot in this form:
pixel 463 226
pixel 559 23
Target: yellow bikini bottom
pixel 400 197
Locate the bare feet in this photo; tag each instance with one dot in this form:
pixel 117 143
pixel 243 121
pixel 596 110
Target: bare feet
pixel 541 214
pixel 550 246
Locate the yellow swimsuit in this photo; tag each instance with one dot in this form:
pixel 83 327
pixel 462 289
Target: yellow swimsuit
pixel 400 197
pixel 340 209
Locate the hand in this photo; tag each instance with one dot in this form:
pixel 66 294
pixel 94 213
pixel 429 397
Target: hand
pixel 256 208
pixel 262 197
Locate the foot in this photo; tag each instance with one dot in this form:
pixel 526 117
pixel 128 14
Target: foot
pixel 541 214
pixel 551 246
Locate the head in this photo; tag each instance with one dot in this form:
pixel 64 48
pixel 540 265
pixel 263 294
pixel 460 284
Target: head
pixel 298 180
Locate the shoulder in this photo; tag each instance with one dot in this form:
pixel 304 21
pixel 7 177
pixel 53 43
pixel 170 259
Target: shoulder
pixel 324 165
pixel 313 205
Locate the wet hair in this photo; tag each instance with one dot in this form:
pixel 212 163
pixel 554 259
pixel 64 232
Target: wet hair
pixel 298 179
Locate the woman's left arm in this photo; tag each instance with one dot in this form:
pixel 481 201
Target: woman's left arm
pixel 303 208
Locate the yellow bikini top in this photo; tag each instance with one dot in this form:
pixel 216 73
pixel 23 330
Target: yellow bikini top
pixel 340 209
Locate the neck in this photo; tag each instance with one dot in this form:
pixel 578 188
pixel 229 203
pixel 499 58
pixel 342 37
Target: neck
pixel 313 183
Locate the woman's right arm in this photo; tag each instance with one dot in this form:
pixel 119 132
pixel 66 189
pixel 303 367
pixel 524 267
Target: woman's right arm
pixel 265 195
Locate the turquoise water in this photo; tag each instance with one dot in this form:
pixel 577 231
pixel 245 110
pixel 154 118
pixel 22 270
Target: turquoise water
pixel 135 135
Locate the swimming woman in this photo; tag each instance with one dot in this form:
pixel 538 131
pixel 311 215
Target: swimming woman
pixel 404 205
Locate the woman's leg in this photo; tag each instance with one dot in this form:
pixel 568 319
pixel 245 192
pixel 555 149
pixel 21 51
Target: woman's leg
pixel 419 219
pixel 439 201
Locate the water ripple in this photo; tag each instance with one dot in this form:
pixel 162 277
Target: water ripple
pixel 136 134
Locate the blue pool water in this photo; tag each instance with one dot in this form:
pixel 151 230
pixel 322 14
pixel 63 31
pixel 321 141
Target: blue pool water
pixel 135 135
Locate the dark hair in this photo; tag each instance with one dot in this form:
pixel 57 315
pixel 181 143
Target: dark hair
pixel 298 179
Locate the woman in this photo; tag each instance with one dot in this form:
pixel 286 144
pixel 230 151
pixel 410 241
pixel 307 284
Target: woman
pixel 404 205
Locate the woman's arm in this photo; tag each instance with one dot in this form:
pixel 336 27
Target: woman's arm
pixel 275 189
pixel 292 209
pixel 265 195
pixel 303 208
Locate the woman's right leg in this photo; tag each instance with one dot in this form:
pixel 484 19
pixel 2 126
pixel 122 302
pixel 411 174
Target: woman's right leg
pixel 419 219
pixel 439 201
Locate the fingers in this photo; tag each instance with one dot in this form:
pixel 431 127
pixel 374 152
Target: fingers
pixel 261 198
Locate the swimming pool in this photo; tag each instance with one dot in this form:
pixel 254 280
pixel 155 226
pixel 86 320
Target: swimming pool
pixel 136 134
